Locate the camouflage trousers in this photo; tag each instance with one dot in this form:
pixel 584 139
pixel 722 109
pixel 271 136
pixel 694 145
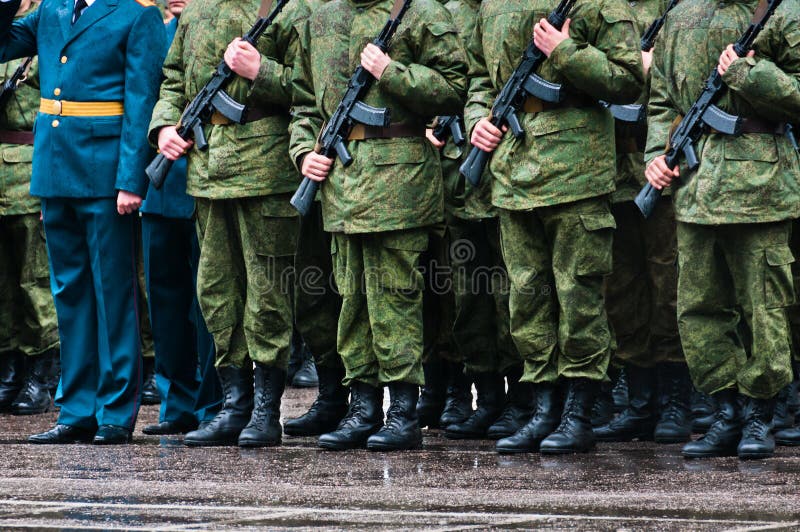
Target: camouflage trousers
pixel 316 299
pixel 794 310
pixel 481 330
pixel 380 334
pixel 245 280
pixel 641 292
pixel 730 276
pixel 557 258
pixel 27 313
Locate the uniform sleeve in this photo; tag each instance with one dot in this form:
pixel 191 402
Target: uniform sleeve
pixel 17 38
pixel 771 86
pixel 145 54
pixel 661 112
pixel 482 92
pixel 306 117
pixel 611 68
pixel 172 96
pixel 273 83
pixel 436 83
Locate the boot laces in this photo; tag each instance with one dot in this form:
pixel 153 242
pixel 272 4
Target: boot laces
pixel 394 417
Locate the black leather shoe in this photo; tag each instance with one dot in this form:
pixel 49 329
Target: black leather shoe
pixel 638 419
pixel 544 421
pixel 783 417
pixel 433 394
pixel 518 409
pixel 619 392
pixel 264 428
pixel 224 429
pixel 306 376
pixel 788 437
pixel 603 408
pixel 704 412
pixel 757 441
pixel 12 374
pixel 328 409
pixel 169 427
pixel 150 395
pixel 62 434
pixel 574 434
pixel 401 431
pixel 458 400
pixel 674 421
pixel 34 397
pixel 111 435
pixel 364 418
pixel 491 396
pixel 724 434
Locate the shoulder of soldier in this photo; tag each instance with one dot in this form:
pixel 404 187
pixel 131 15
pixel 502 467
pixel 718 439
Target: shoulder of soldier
pixel 139 4
pixel 610 10
pixel 428 13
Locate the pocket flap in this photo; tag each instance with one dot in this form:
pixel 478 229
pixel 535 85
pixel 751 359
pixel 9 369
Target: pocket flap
pixel 407 240
pixel 559 120
pixel 440 28
pixel 779 256
pixel 107 128
pixel 752 147
pixel 397 151
pixel 18 154
pixel 596 222
pixel 270 125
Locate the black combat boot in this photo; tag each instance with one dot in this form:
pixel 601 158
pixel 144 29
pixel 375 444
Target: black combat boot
pixel 491 395
pixel 704 412
pixel 546 416
pixel 638 419
pixel 401 431
pixel 307 376
pixel 757 441
pixel 783 417
pixel 574 433
pixel 619 392
pixel 34 397
pixel 674 421
pixel 224 429
pixel 150 395
pixel 603 408
pixel 264 428
pixel 724 434
pixel 517 410
pixel 328 409
pixel 12 374
pixel 458 403
pixel 364 418
pixel 433 394
pixel 794 392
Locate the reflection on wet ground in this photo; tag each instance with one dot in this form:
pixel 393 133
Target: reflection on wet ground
pixel 156 482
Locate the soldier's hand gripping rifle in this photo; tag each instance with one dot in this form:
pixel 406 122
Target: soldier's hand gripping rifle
pixel 449 126
pixel 212 97
pixel 635 113
pixel 704 115
pixel 523 83
pixel 351 111
pixel 11 84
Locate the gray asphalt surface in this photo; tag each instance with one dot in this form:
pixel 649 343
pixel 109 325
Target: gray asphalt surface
pixel 157 483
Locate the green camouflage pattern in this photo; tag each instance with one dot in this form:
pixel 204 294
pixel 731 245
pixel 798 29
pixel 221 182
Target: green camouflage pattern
pixel 560 254
pixel 393 183
pixel 747 179
pixel 564 156
pixel 245 277
pixel 242 160
pixel 380 335
pixel 27 313
pixel 729 275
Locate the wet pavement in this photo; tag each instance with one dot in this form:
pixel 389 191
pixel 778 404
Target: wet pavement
pixel 157 483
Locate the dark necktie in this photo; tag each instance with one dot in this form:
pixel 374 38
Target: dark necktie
pixel 80 6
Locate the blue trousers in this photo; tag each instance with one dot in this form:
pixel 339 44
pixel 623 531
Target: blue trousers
pixel 92 254
pixel 185 374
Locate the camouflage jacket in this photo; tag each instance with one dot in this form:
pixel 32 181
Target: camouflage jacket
pixel 242 160
pixel 630 151
pixel 751 178
pixel 393 183
pixel 564 155
pixel 18 115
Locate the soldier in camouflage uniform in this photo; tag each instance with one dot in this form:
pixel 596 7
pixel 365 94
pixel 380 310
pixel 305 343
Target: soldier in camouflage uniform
pixel 28 328
pixel 381 208
pixel 242 185
pixel 734 212
pixel 641 293
pixel 551 188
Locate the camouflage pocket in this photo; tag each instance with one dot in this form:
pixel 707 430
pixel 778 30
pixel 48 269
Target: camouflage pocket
pixel 18 154
pixel 397 267
pixel 778 284
pixel 594 257
pixel 279 236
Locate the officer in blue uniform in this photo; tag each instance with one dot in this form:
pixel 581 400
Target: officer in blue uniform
pixel 190 394
pixel 99 67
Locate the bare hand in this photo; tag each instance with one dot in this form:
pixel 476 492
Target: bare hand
pixel 374 60
pixel 727 58
pixel 487 137
pixel 438 144
pixel 547 37
pixel 316 167
pixel 171 145
pixel 128 202
pixel 647 60
pixel 243 58
pixel 659 174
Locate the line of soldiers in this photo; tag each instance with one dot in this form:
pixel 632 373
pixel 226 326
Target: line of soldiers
pixel 555 281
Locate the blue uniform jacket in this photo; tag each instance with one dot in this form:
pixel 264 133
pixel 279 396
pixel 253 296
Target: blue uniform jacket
pixel 172 200
pixel 113 53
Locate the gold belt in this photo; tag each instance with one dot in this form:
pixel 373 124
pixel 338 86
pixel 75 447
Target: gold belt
pixel 65 108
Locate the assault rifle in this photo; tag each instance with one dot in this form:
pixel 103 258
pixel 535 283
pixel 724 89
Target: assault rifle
pixel 704 115
pixel 16 79
pixel 449 126
pixel 635 113
pixel 212 97
pixel 351 111
pixel 523 83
